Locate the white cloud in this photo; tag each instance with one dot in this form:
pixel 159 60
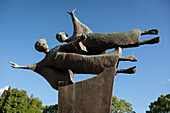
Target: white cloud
pixel 168 80
pixel 3 89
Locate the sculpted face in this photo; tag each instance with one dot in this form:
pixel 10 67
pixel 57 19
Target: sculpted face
pixel 62 37
pixel 41 46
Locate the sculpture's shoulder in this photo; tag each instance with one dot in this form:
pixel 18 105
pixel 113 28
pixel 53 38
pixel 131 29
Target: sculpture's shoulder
pixel 74 37
pixel 55 49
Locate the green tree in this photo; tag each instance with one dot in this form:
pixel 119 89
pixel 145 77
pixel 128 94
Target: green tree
pixel 15 101
pixel 162 105
pixel 121 106
pixel 50 109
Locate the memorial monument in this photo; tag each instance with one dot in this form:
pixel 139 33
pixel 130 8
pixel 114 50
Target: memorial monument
pixel 85 53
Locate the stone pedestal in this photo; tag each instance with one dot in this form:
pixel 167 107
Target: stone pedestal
pixel 89 96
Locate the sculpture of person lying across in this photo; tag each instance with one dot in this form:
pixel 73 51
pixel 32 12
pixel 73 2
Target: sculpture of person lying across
pixel 93 42
pixel 83 53
pixel 60 66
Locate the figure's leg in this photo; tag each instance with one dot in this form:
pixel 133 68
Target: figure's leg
pixel 125 58
pixel 99 42
pixel 152 32
pixel 128 58
pixel 151 41
pixel 130 70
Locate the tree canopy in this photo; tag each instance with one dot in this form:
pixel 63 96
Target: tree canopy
pixel 17 101
pixel 50 109
pixel 161 105
pixel 121 106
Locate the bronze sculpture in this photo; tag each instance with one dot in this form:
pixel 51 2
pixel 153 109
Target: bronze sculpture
pixel 60 66
pixel 83 53
pixel 97 43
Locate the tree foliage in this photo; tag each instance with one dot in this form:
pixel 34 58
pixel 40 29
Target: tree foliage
pixel 15 101
pixel 121 106
pixel 162 105
pixel 50 109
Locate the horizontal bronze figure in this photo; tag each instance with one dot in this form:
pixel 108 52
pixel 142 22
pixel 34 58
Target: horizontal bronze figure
pixel 97 43
pixel 60 66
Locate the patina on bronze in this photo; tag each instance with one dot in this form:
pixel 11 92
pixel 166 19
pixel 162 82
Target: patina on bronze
pixel 85 53
pixel 97 43
pixel 59 66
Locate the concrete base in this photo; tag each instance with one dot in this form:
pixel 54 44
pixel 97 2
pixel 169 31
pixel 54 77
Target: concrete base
pixel 89 96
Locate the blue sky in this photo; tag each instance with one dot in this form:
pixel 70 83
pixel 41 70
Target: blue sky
pixel 23 22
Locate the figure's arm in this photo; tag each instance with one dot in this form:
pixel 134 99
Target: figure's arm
pixel 30 67
pixel 151 41
pixel 74 46
pixel 79 39
pixel 79 28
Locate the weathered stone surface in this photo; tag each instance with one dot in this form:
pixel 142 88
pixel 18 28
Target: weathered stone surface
pixel 88 96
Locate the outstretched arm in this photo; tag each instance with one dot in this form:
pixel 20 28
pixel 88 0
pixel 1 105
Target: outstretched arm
pixel 79 28
pixel 31 67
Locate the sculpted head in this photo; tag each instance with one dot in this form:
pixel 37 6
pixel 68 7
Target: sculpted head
pixel 41 46
pixel 62 37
